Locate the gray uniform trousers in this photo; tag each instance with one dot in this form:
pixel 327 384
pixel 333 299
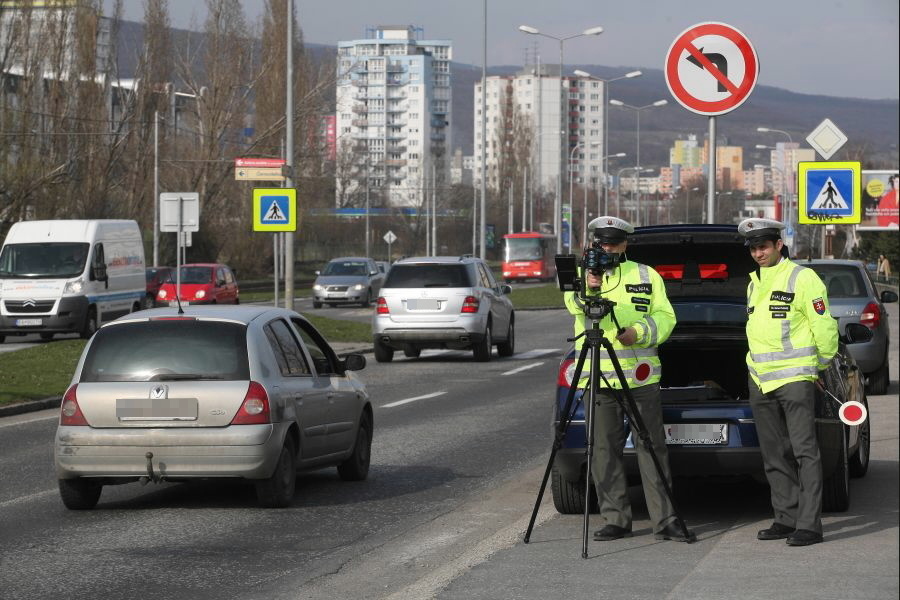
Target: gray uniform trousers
pixel 786 426
pixel 607 467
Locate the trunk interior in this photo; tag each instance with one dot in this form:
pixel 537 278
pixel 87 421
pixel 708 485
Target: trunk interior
pixel 703 368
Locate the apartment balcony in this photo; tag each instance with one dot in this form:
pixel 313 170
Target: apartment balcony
pixel 394 95
pixel 396 149
pixel 397 123
pixel 395 109
pixel 438 137
pixel 360 82
pixel 394 81
pixel 360 122
pixel 395 162
pixel 395 67
pixel 360 109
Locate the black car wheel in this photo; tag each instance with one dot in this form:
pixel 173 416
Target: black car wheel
pixel 482 350
pixel 859 460
pixel 508 348
pixel 836 488
pixel 278 490
pixel 383 353
pixel 568 496
pixel 79 494
pixel 880 379
pixel 356 468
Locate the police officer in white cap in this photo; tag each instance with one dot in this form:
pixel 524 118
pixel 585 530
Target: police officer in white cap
pixel 646 316
pixel 792 337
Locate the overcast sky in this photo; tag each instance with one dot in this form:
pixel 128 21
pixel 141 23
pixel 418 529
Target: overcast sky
pixel 834 47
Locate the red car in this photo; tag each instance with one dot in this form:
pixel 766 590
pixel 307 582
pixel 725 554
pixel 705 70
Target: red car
pixel 201 283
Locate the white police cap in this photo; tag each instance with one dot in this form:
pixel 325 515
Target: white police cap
pixel 758 229
pixel 610 230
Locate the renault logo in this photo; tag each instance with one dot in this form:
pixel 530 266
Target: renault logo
pixel 158 392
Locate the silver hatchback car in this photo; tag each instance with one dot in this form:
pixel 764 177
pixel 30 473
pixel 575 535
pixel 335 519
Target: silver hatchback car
pixel 443 302
pixel 347 280
pixel 245 392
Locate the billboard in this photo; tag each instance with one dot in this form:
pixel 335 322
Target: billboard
pixel 879 200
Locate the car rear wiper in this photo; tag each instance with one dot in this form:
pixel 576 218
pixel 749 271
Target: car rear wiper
pixel 184 377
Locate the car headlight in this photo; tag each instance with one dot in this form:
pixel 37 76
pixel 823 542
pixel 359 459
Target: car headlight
pixel 200 294
pixel 74 287
pixel 161 293
pixel 317 287
pixel 359 287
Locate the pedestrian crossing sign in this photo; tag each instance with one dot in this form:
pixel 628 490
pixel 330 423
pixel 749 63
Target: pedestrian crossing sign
pixel 274 209
pixel 829 193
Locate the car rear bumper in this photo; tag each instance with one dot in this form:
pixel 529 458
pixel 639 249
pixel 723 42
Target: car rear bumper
pixel 247 451
pixel 450 336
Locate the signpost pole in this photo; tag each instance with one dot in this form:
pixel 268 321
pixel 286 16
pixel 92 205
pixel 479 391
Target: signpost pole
pixel 178 249
pixel 275 269
pixel 289 155
pixel 711 188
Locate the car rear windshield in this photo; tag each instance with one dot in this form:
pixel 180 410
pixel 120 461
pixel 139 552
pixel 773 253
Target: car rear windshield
pixel 168 350
pixel 428 275
pixel 841 281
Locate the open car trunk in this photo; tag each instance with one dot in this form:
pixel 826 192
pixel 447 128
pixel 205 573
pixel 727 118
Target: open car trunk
pixel 700 368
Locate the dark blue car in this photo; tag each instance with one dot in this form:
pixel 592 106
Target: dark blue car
pixel 709 425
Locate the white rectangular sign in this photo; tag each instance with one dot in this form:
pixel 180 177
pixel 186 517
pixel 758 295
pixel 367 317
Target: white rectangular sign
pixel 187 204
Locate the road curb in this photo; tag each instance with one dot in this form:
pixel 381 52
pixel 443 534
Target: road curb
pixel 32 406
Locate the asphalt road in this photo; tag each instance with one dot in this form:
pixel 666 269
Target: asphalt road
pixel 458 453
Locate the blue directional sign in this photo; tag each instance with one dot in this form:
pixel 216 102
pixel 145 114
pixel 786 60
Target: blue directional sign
pixel 274 209
pixel 829 192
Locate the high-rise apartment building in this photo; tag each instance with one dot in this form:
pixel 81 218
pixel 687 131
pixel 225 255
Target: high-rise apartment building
pixel 539 121
pixel 393 113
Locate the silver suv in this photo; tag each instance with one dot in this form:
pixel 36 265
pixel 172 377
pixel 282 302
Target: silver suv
pixel 443 302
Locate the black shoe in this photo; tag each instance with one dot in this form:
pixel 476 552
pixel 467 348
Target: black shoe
pixel 611 532
pixel 804 537
pixel 776 532
pixel 675 531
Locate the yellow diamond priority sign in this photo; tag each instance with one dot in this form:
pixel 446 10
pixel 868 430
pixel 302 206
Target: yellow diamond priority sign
pixel 274 209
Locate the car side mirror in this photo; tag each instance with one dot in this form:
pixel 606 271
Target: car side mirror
pixel 888 296
pixel 354 362
pixel 505 289
pixel 856 333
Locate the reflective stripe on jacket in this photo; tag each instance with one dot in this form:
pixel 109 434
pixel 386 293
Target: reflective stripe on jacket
pixel 790 330
pixel 641 302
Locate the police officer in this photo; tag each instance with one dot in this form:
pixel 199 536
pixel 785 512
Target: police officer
pixel 647 319
pixel 792 337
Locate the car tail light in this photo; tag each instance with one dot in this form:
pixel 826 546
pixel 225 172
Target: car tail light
pixel 70 413
pixel 255 408
pixel 381 306
pixel 870 316
pixel 470 305
pixel 566 371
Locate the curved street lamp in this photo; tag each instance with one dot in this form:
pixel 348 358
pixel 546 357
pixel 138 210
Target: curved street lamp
pixel 637 110
pixel 557 225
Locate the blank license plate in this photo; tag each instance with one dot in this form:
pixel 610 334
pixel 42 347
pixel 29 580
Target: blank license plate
pixel 29 322
pixel 174 303
pixel 698 434
pixel 423 304
pixel 156 409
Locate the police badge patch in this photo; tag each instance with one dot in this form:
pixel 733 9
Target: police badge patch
pixel 819 305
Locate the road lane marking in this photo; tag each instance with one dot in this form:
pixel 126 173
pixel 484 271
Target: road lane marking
pixel 524 368
pixel 28 497
pixel 536 353
pixel 408 400
pixel 35 420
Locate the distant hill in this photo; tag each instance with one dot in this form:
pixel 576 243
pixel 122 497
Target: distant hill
pixel 869 124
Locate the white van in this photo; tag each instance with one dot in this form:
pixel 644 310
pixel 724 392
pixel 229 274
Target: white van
pixel 69 276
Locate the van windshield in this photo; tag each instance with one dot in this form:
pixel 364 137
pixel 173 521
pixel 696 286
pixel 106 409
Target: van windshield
pixel 62 260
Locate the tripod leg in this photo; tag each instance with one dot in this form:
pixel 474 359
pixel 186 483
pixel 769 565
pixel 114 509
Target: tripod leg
pixel 564 418
pixel 589 432
pixel 638 427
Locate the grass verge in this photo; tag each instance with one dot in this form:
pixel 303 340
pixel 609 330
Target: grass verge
pixel 38 372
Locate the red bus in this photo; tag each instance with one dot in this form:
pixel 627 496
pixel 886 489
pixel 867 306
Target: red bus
pixel 529 255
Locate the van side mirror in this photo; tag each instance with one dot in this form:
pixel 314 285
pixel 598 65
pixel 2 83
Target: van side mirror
pixel 98 273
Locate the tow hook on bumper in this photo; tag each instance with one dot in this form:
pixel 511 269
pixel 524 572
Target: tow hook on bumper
pixel 151 476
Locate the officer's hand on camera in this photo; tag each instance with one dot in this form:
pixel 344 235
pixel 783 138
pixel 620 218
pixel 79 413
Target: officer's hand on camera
pixel 628 336
pixel 593 279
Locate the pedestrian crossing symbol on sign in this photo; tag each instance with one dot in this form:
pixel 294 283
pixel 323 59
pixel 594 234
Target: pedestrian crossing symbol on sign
pixel 274 209
pixel 829 192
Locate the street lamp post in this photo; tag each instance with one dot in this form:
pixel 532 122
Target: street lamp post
pixel 637 110
pixel 604 166
pixel 605 186
pixel 557 223
pixel 789 213
pixel 571 187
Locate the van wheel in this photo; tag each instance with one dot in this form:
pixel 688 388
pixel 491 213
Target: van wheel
pixel 383 353
pixel 147 302
pixel 278 490
pixel 356 468
pixel 482 350
pixel 836 488
pixel 79 494
pixel 90 324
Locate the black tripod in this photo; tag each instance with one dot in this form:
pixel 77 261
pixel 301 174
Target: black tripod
pixel 595 309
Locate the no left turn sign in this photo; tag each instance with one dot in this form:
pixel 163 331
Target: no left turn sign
pixel 711 68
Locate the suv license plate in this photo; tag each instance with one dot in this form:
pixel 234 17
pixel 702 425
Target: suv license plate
pixel 29 322
pixel 697 434
pixel 423 304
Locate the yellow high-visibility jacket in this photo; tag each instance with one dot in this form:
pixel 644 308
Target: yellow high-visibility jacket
pixel 641 302
pixel 789 328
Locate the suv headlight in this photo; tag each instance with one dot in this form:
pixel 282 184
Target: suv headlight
pixel 74 287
